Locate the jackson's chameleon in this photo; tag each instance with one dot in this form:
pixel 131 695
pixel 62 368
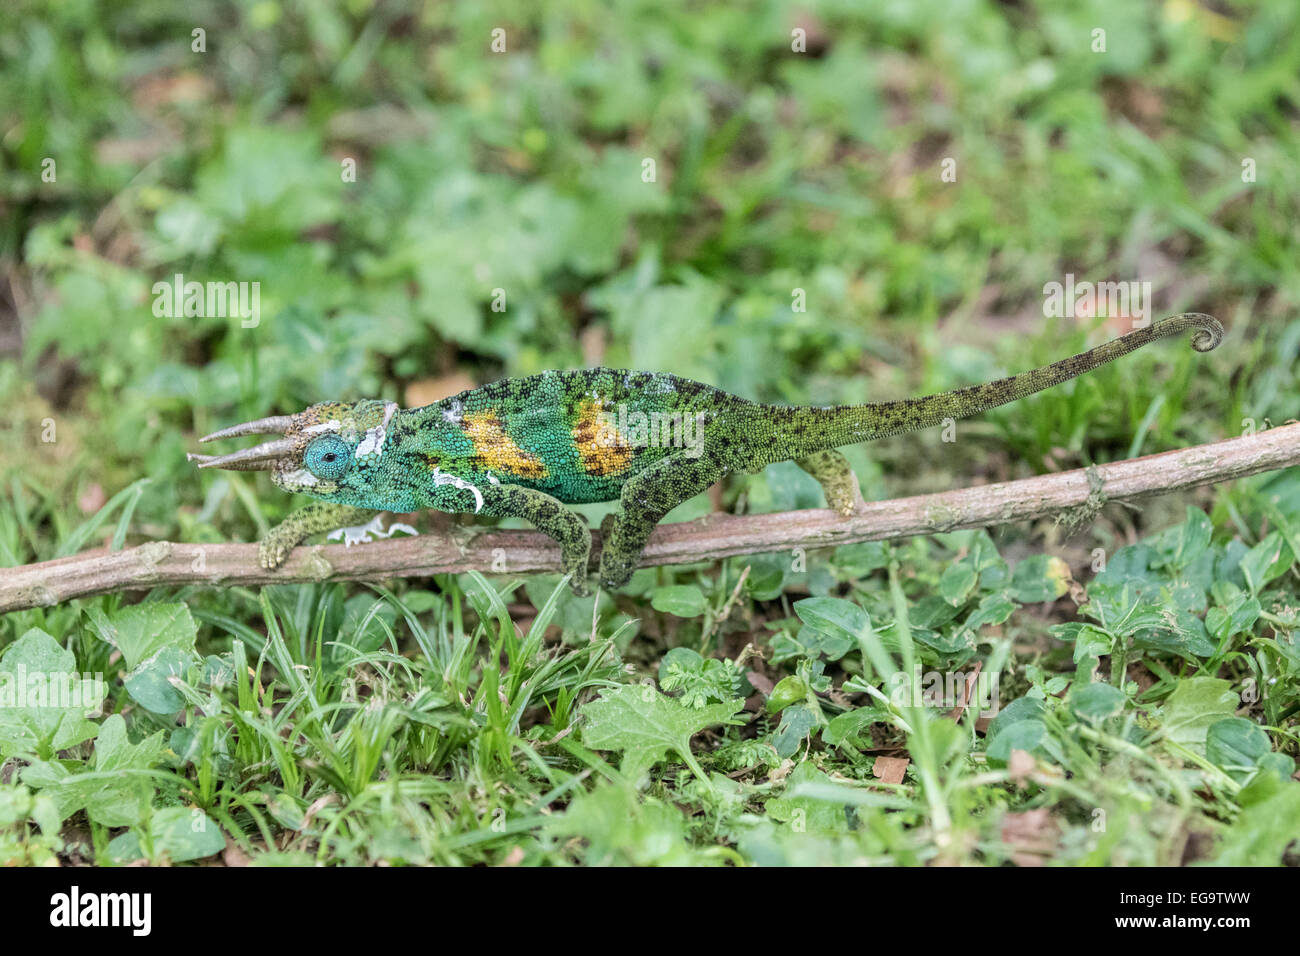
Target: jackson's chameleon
pixel 526 447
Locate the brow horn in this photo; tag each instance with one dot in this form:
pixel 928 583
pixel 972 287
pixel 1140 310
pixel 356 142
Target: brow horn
pixel 275 425
pixel 258 458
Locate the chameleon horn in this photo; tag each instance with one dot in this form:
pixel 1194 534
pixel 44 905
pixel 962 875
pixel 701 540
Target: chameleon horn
pixel 246 466
pixel 275 425
pixel 258 458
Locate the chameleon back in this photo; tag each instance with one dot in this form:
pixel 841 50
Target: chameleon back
pixel 576 435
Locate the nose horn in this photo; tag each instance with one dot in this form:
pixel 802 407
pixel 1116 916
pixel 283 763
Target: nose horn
pixel 258 458
pixel 275 425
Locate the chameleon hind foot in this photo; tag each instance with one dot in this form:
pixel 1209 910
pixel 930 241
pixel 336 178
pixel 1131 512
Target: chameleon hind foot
pixel 835 475
pixel 620 552
pixel 645 499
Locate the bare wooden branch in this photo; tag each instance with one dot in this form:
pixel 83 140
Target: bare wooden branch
pixel 717 536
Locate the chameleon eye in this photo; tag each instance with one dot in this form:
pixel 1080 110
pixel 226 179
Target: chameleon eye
pixel 328 457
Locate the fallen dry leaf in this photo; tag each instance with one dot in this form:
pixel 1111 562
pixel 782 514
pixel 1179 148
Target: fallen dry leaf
pixel 781 772
pixel 890 769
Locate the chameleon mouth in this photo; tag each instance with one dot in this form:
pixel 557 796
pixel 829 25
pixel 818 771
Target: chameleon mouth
pixel 261 457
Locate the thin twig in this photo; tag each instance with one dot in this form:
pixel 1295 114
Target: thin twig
pixel 717 536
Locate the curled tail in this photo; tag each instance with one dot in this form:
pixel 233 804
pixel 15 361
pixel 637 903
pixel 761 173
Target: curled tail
pixel 803 430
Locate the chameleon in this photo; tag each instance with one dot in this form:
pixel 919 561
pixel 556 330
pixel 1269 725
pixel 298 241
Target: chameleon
pixel 528 447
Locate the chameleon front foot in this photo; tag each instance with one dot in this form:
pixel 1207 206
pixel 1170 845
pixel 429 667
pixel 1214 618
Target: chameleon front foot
pixel 549 516
pixel 273 550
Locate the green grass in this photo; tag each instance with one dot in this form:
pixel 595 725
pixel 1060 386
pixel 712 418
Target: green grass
pixel 750 711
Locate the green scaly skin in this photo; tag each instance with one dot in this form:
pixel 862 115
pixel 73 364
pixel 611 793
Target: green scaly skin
pixel 528 447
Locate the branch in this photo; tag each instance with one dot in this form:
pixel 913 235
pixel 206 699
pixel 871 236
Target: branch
pixel 717 536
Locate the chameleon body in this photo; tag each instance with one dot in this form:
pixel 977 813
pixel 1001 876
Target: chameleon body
pixel 528 447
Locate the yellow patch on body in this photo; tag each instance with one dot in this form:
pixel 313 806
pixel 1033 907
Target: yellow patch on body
pixel 494 449
pixel 601 448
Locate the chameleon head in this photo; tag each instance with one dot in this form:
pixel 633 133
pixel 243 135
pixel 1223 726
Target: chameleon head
pixel 332 450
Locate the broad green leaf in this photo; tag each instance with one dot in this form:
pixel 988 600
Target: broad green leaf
pixel 1096 702
pixel 622 827
pixel 680 600
pixel 836 614
pixel 109 791
pixel 142 630
pixel 1266 561
pixel 831 614
pixel 789 690
pixel 1195 704
pixel 993 609
pixel 44 702
pixel 1020 726
pixel 1280 766
pixel 859 560
pixel 1236 745
pixel 811 642
pixel 1255 838
pixel 797 722
pixel 766 578
pixel 1022 708
pixel 1027 735
pixel 1239 616
pixel 1044 577
pixel 178 835
pixel 932 612
pixel 645 725
pixel 1090 644
pixel 957 582
pixel 149 684
pixel 805 814
pixel 1193 538
pixel 850 729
